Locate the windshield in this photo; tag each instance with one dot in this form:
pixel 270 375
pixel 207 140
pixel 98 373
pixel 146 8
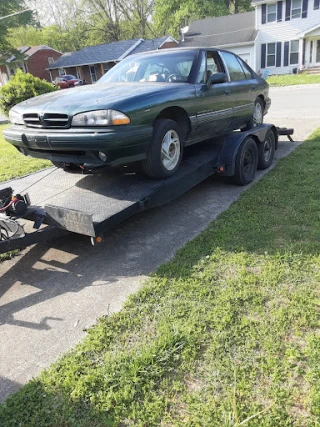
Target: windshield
pixel 167 67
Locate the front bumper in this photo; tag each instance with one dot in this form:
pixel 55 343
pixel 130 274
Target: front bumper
pixel 78 145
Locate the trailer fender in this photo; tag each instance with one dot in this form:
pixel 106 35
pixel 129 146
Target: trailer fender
pixel 232 143
pixel 260 132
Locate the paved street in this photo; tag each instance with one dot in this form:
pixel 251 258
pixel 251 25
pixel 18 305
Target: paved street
pixel 51 292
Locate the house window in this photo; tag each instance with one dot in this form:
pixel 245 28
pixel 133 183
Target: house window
pixel 61 71
pixel 271 12
pixel 93 73
pixel 296 9
pixel 271 55
pixel 50 60
pixel 316 4
pixel 294 52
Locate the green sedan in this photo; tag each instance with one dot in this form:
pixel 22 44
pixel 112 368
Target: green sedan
pixel 146 109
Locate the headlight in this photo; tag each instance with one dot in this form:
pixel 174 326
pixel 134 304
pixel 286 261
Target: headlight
pixel 15 117
pixel 100 118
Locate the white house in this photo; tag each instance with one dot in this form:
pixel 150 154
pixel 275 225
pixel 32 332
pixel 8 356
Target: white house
pixel 236 33
pixel 288 35
pixel 282 36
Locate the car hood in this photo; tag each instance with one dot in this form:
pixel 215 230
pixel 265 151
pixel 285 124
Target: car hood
pixel 94 97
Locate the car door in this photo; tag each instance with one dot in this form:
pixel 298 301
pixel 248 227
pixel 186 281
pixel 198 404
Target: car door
pixel 213 102
pixel 242 89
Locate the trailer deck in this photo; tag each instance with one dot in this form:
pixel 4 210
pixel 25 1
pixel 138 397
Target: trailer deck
pixel 90 204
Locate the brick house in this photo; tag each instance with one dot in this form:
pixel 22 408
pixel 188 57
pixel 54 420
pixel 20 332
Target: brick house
pixel 91 62
pixel 36 60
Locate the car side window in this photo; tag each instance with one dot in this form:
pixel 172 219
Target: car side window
pixel 236 72
pixel 246 69
pixel 208 66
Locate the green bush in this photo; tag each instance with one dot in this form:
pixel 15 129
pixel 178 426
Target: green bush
pixel 22 86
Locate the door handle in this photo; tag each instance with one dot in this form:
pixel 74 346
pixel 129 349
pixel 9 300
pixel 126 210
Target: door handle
pixel 227 91
pixel 253 87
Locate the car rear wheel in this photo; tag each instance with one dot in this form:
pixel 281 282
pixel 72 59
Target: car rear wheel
pixel 165 151
pixel 246 162
pixel 257 117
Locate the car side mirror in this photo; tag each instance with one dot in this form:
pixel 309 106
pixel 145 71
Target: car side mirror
pixel 217 78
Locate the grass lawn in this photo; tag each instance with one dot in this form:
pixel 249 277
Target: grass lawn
pixel 13 164
pixel 293 79
pixel 226 334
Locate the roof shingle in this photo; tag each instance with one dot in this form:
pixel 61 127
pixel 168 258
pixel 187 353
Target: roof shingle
pixel 221 30
pixel 106 52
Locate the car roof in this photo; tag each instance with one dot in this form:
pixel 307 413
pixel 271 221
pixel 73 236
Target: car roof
pixel 175 50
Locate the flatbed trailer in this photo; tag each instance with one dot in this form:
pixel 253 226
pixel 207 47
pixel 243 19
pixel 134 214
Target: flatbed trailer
pixel 91 204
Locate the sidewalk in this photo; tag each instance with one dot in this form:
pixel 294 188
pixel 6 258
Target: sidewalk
pixel 3 119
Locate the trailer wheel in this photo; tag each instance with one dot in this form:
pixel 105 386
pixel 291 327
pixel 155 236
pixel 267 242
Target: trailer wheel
pixel 246 162
pixel 266 150
pixel 165 152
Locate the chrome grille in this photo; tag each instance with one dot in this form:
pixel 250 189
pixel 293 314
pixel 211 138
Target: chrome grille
pixel 47 120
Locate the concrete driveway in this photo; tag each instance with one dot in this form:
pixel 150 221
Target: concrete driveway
pixel 51 293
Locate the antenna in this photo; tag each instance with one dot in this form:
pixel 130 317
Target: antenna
pixel 183 31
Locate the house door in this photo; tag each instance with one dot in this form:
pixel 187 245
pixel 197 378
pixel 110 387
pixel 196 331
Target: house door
pixel 317 53
pixel 314 59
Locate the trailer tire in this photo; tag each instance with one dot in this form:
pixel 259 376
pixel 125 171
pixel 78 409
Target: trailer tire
pixel 166 149
pixel 246 162
pixel 266 150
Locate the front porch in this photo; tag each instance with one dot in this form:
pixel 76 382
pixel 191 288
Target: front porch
pixel 310 50
pixel 313 70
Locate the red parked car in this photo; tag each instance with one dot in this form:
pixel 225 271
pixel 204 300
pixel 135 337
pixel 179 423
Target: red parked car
pixel 66 81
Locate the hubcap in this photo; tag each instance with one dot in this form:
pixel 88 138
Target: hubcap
pixel 170 150
pixel 257 114
pixel 267 149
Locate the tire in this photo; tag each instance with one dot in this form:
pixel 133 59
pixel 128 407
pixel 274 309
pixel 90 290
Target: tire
pixel 166 149
pixel 257 117
pixel 68 167
pixel 266 151
pixel 246 162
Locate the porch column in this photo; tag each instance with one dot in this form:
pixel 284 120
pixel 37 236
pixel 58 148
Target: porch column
pixel 301 54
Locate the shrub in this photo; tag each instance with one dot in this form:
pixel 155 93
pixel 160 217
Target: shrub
pixel 22 86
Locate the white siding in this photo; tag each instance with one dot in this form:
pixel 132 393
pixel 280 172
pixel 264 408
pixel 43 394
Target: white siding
pixel 284 31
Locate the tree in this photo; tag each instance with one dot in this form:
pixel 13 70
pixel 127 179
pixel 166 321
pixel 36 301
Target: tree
pixel 21 87
pixel 9 7
pixel 171 15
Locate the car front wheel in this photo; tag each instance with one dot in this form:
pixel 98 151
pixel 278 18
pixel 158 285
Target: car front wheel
pixel 68 167
pixel 165 151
